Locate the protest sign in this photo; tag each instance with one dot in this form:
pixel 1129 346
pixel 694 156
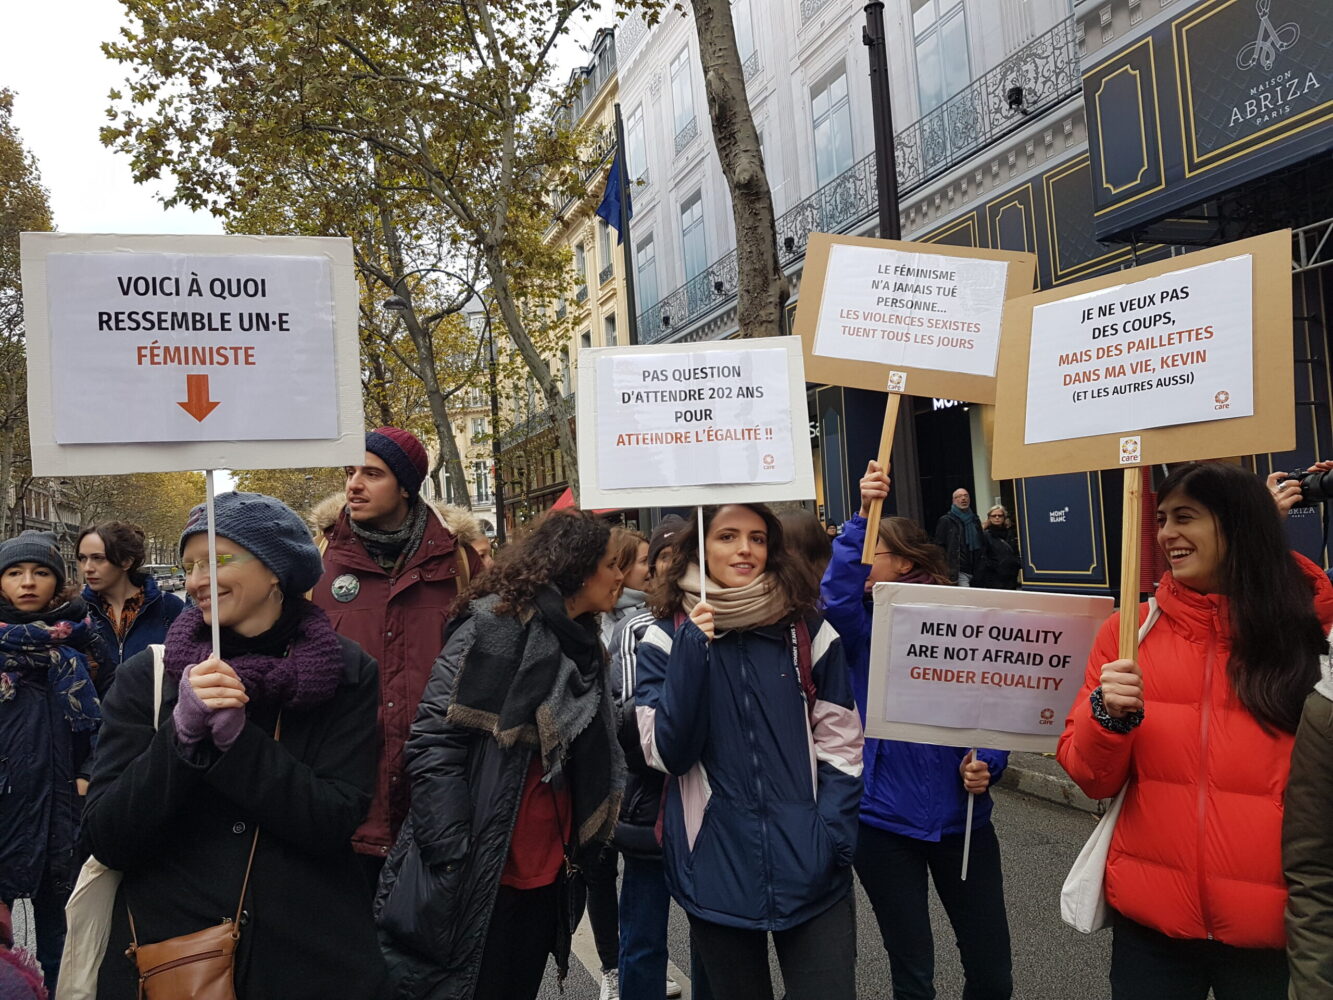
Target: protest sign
pixel 1188 358
pixel 222 352
pixel 968 667
pixel 914 318
pixel 693 423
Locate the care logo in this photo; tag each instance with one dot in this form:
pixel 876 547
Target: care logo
pixel 897 381
pixel 1131 450
pixel 768 462
pixel 1048 716
pixel 1222 400
pixel 1269 42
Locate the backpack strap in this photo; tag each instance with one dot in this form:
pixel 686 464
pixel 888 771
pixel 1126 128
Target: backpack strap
pixel 801 656
pixel 159 670
pixel 1154 612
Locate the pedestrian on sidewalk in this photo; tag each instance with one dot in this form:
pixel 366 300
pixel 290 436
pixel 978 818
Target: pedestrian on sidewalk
pixel 127 608
pixel 914 812
pixel 958 533
pixel 49 718
pixel 394 565
pixel 745 699
pixel 1198 731
pixel 516 775
pixel 264 752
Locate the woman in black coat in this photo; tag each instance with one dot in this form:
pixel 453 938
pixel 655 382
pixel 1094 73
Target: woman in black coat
pixel 178 796
pixel 516 775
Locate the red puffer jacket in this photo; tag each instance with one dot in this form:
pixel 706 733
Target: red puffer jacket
pixel 1197 851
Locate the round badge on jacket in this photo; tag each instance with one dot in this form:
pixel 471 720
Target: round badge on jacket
pixel 345 588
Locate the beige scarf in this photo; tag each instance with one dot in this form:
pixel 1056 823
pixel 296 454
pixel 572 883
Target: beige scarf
pixel 757 603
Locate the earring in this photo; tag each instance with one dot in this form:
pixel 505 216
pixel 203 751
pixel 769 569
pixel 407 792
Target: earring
pixel 277 594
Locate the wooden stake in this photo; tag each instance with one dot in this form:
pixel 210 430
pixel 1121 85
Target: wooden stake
pixel 967 830
pixel 215 625
pixel 885 454
pixel 1130 552
pixel 703 566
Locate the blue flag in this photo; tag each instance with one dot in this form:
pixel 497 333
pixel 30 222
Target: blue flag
pixel 609 209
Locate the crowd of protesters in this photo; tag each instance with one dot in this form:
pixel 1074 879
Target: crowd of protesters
pixel 407 770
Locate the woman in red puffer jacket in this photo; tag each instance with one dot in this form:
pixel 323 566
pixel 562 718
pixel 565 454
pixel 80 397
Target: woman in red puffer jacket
pixel 1201 728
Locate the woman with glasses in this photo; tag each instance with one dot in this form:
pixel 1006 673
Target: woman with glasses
pixel 913 813
pixel 266 751
pixel 127 608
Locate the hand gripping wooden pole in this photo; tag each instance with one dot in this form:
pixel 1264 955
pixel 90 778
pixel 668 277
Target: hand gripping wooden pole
pixel 1130 553
pixel 885 454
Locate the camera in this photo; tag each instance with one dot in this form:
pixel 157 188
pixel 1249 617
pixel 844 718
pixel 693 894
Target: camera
pixel 1316 487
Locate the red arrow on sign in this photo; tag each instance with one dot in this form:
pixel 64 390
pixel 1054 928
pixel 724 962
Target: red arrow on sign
pixel 197 404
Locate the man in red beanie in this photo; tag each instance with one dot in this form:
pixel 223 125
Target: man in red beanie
pixel 393 569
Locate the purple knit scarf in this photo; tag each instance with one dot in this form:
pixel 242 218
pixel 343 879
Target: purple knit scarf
pixel 307 676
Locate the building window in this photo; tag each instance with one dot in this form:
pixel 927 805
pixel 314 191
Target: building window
pixel 585 340
pixel 942 65
pixel 604 243
pixel 833 128
pixel 581 262
pixel 481 475
pixel 646 265
pixel 692 235
pixel 682 96
pixel 478 428
pixel 636 147
pixel 566 372
pixel 609 330
pixel 744 23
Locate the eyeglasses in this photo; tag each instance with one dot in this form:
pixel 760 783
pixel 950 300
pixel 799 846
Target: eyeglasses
pixel 224 559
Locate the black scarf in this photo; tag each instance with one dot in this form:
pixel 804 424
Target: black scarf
pixel 540 680
pixel 392 549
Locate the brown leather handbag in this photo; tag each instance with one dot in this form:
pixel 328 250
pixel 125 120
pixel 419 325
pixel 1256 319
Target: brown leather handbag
pixel 198 966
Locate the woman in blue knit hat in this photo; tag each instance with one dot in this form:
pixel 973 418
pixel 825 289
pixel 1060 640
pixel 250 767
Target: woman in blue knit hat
pixel 48 721
pixel 266 751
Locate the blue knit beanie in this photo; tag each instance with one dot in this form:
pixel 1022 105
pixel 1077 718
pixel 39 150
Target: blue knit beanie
pixel 36 547
pixel 268 529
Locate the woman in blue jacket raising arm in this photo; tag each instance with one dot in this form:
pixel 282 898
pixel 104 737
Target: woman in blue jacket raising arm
pixel 746 700
pixel 913 815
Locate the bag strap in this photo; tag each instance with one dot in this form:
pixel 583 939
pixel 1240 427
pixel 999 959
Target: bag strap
pixel 1154 612
pixel 159 669
pixel 801 655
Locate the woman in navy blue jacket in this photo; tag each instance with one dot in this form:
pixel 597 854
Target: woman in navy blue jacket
pixel 913 815
pixel 746 700
pixel 127 608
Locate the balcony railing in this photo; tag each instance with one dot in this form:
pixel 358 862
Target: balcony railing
pixel 809 8
pixel 582 294
pixel 687 133
pixel 1047 72
pixel 751 65
pixel 604 275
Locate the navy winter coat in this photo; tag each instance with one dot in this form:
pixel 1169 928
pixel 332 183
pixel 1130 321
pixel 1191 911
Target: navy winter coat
pixel 150 626
pixel 760 824
pixel 913 789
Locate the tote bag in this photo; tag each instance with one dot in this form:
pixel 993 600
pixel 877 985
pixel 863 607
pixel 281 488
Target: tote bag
pixel 88 912
pixel 1083 896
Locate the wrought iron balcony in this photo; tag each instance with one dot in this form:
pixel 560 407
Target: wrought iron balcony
pixel 604 275
pixel 1046 71
pixel 582 294
pixel 1042 73
pixel 751 65
pixel 809 8
pixel 687 133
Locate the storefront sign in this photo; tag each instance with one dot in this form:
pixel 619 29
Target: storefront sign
pixel 968 667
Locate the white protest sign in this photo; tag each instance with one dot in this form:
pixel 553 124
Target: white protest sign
pixel 915 310
pixel 1173 349
pixel 968 667
pixel 693 423
pixel 219 351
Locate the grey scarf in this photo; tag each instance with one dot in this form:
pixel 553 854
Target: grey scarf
pixel 392 549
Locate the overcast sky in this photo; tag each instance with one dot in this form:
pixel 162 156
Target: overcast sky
pixel 50 57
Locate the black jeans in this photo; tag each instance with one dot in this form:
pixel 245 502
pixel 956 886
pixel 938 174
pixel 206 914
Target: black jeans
pixel 818 958
pixel 603 906
pixel 519 940
pixel 1147 963
pixel 893 869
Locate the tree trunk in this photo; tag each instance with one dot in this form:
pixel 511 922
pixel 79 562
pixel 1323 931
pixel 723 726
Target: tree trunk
pixel 6 480
pixel 763 288
pixel 518 335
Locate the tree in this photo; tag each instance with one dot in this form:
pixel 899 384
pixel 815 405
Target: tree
pixel 24 206
pixel 762 287
pixel 299 489
pixel 447 100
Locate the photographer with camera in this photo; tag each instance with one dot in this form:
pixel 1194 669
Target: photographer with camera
pixel 1291 489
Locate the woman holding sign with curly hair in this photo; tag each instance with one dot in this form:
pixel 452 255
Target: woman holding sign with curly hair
pixel 744 696
pixel 1198 731
pixel 913 815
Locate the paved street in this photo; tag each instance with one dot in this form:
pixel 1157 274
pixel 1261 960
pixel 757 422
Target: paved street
pixel 1051 962
pixel 1038 841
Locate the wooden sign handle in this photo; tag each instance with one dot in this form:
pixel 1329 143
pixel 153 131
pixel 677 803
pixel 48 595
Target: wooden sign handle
pixel 1130 552
pixel 885 454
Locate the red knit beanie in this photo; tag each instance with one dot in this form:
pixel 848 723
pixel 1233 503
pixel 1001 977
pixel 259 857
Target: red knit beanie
pixel 402 452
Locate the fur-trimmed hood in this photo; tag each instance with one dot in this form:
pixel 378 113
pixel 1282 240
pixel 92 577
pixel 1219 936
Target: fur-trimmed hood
pixel 460 521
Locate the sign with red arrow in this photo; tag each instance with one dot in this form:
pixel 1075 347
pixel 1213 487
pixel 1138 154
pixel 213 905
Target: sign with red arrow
pixel 226 351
